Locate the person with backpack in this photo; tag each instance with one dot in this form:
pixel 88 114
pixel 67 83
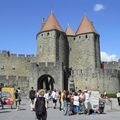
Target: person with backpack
pixel 17 100
pixel 41 106
pixel 32 95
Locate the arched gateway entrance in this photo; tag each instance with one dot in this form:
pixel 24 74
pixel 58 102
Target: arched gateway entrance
pixel 45 82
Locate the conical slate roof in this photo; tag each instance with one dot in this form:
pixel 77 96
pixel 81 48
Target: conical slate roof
pixel 51 23
pixel 69 31
pixel 85 26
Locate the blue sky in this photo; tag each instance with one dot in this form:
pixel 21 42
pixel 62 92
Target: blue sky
pixel 20 20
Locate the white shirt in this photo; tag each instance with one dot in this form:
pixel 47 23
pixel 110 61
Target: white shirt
pixel 46 95
pixel 76 100
pixel 86 97
pixel 54 95
pixel 118 94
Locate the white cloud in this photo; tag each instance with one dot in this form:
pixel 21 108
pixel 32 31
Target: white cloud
pixel 106 57
pixel 99 7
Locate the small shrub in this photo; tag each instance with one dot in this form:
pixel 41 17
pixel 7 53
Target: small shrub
pixel 111 95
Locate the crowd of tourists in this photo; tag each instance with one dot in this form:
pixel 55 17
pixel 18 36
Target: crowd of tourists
pixel 70 102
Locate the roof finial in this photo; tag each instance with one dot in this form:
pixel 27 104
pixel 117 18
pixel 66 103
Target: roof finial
pixel 43 19
pixel 85 13
pixel 68 24
pixel 51 11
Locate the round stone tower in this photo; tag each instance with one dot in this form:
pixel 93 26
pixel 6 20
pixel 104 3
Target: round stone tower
pixel 53 50
pixel 85 47
pixel 52 44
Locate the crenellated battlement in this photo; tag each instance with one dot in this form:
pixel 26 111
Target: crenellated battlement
pixel 112 62
pixel 5 53
pixel 111 65
pixel 13 55
pixel 48 64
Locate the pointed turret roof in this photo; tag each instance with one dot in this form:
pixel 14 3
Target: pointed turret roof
pixel 69 31
pixel 51 23
pixel 85 26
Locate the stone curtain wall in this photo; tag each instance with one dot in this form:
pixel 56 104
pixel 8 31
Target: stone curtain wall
pixel 21 81
pixel 111 65
pixel 14 70
pixel 97 79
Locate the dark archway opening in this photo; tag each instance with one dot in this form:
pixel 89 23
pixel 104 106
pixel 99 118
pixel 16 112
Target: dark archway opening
pixel 45 82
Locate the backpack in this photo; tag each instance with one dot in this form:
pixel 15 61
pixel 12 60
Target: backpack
pixel 40 108
pixel 32 94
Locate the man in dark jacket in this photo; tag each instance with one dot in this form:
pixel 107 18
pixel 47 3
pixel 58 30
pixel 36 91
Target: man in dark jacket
pixel 32 95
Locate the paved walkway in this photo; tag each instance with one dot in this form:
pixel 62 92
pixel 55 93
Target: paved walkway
pixel 54 114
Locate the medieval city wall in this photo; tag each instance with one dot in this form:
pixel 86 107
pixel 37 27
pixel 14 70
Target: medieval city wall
pixel 97 79
pixel 14 69
pixel 111 65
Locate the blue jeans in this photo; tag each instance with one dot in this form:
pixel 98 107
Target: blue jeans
pixel 76 109
pixel 67 110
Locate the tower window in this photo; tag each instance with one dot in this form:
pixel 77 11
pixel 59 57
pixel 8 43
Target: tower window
pixel 48 33
pixel 41 34
pixel 13 67
pixel 2 67
pixel 86 36
pixel 74 38
pixel 79 36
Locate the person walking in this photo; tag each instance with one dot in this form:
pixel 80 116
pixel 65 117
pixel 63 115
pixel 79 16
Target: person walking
pixel 32 95
pixel 46 96
pixel 17 100
pixel 40 106
pixel 54 96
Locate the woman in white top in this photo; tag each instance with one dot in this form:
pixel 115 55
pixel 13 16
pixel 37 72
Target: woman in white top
pixel 46 95
pixel 86 98
pixel 76 99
